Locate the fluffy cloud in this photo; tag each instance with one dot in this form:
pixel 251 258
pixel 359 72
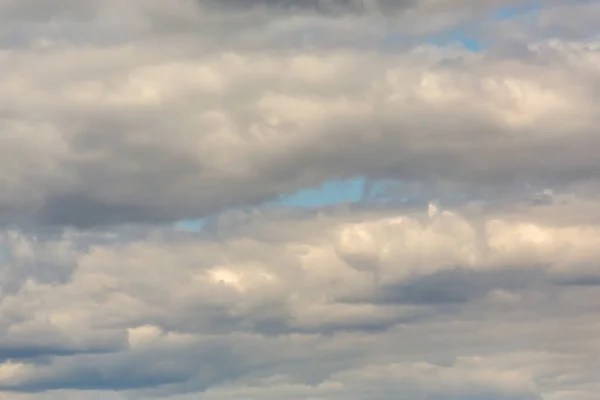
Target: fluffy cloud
pixel 224 116
pixel 393 303
pixel 472 123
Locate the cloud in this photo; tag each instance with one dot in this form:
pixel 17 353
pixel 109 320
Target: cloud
pixel 326 7
pixel 210 120
pixel 246 312
pixel 454 276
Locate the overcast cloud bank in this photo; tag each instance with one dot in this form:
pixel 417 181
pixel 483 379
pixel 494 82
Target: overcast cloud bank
pixel 469 269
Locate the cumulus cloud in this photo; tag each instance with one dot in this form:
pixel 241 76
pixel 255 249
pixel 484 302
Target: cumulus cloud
pixel 224 116
pixel 471 123
pixel 389 304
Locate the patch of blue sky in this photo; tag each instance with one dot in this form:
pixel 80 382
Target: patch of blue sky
pixel 467 35
pixel 328 194
pixel 354 191
pixel 517 10
pixel 349 191
pixel 460 36
pixel 192 225
pixel 468 41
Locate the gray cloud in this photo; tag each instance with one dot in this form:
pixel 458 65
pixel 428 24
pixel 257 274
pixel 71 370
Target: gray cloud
pixel 247 312
pixel 145 120
pixel 456 286
pixel 199 158
pixel 327 7
pixel 119 119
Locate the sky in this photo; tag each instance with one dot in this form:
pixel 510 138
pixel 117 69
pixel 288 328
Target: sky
pixel 299 199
